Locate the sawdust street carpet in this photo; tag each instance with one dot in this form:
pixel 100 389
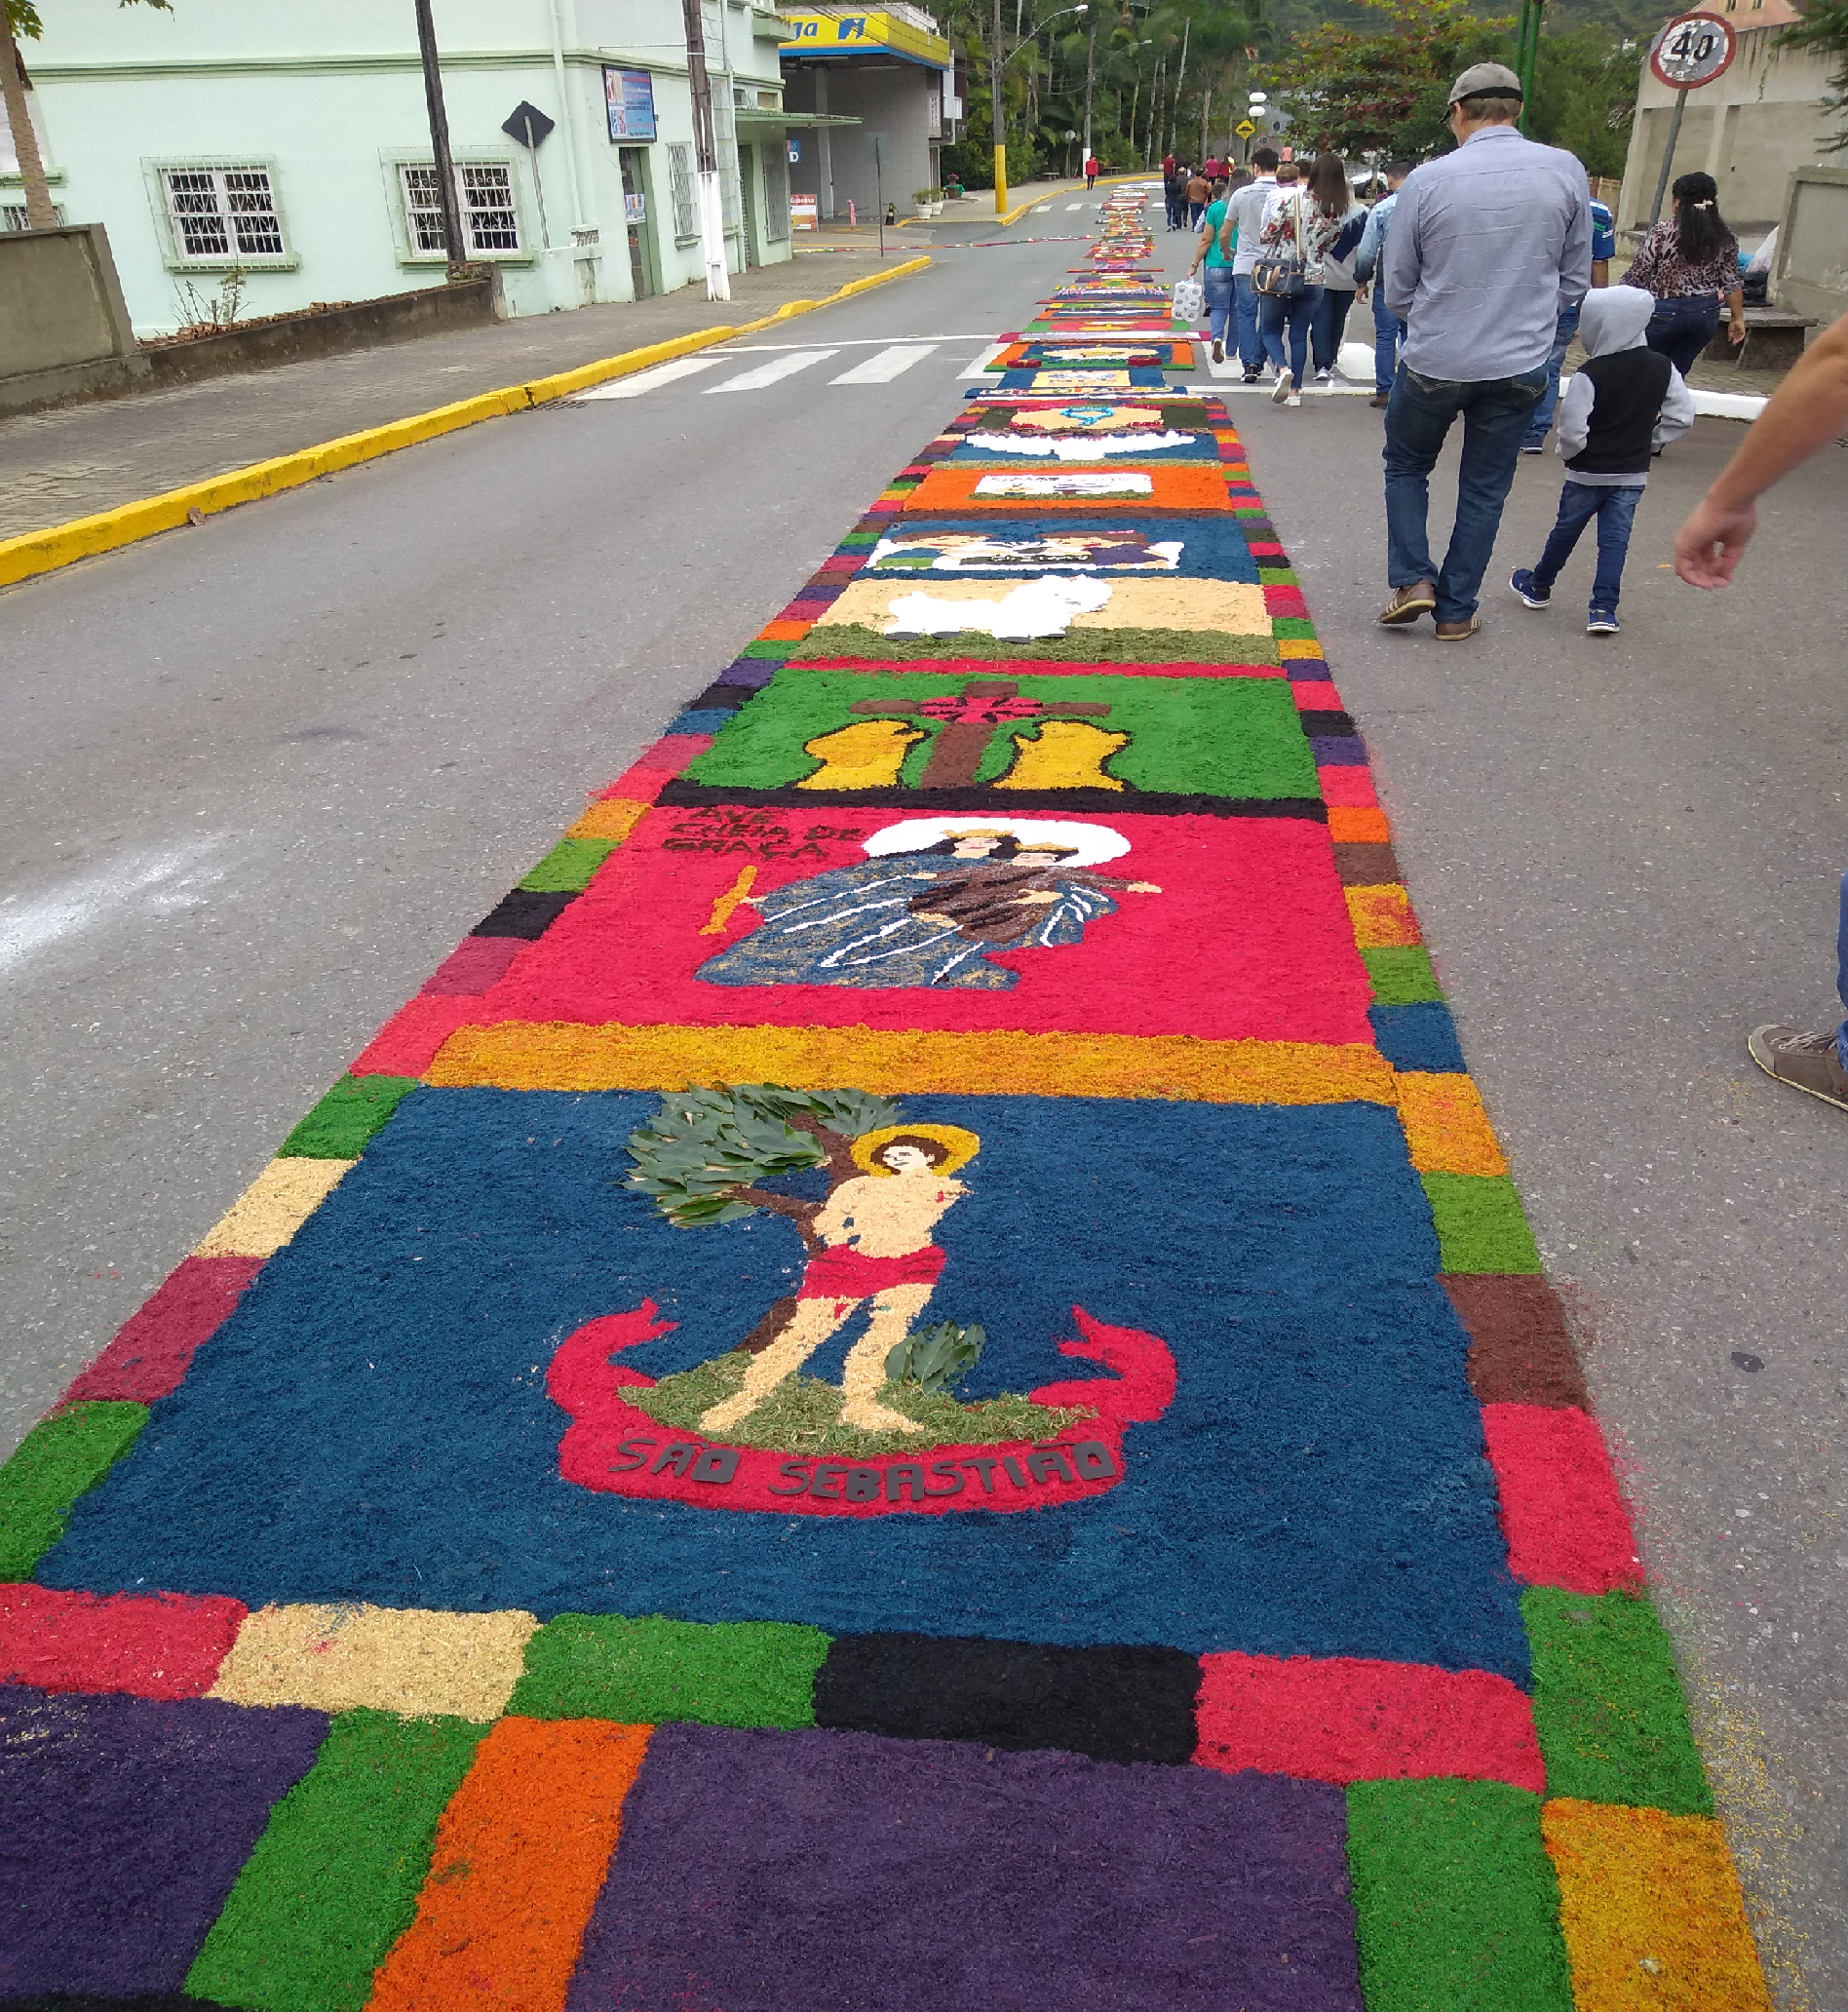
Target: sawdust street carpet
pixel 915 1380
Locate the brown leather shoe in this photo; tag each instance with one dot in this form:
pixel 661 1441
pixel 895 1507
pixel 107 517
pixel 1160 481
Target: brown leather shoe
pixel 1458 631
pixel 1409 603
pixel 1805 1062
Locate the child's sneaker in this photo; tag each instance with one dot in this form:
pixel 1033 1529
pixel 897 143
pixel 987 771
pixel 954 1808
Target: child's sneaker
pixel 1528 591
pixel 1601 622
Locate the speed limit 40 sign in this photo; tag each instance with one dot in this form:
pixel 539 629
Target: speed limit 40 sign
pixel 1692 50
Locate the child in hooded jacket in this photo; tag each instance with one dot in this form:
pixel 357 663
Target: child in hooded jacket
pixel 1625 401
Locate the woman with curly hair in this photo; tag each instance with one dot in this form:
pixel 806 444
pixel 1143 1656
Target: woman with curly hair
pixel 1690 264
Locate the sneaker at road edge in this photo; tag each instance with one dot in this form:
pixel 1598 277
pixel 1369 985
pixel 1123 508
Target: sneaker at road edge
pixel 1807 1062
pixel 1286 384
pixel 1219 352
pixel 1601 622
pixel 1525 591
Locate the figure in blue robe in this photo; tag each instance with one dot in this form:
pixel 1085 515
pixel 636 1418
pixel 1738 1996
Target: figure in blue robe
pixel 918 918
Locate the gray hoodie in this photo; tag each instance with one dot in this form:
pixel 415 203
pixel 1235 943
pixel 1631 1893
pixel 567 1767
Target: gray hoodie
pixel 1610 319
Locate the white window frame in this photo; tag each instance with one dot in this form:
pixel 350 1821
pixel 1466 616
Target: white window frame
pixel 174 255
pixel 683 192
pixel 9 210
pixel 410 252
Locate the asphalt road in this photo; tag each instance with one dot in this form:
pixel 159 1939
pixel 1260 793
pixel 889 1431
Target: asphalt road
pixel 261 776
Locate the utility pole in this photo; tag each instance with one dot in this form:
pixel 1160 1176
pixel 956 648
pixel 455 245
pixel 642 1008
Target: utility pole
pixel 1091 72
pixel 997 117
pixel 705 155
pixel 452 237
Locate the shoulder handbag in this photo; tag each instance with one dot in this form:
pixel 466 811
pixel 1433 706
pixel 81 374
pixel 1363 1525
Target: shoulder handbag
pixel 1284 278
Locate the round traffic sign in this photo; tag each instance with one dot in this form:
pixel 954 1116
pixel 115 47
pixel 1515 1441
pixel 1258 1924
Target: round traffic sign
pixel 1693 50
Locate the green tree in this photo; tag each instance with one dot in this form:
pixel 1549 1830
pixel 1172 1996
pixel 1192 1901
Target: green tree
pixel 1825 26
pixel 1383 89
pixel 1585 96
pixel 22 18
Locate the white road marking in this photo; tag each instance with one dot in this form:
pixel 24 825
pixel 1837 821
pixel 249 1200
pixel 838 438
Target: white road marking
pixel 842 342
pixel 978 367
pixel 887 364
pixel 1069 207
pixel 771 373
pixel 648 380
pixel 165 883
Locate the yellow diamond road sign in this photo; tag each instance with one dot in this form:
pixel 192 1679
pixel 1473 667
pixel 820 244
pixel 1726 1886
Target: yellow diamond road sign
pixel 1245 129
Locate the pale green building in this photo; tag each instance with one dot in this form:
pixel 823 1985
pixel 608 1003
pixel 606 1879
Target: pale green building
pixel 290 143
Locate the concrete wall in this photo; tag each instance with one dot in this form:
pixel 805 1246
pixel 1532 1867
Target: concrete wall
pixel 61 304
pixel 1750 130
pixel 329 98
pixel 889 98
pixel 1811 274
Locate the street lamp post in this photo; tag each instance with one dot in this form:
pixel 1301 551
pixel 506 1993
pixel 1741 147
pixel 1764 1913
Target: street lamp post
pixel 997 62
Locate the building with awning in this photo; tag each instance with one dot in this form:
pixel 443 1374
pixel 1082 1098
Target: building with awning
pixel 874 83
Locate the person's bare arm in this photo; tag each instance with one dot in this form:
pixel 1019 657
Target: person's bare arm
pixel 1807 411
pixel 1202 248
pixel 1735 315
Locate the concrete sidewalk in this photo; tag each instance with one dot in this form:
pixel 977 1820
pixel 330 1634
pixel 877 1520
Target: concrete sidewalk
pixel 80 459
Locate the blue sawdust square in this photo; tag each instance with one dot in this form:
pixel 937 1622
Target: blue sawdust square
pixel 372 1423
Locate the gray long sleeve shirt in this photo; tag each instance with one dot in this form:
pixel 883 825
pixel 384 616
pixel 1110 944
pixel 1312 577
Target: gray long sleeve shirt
pixel 1487 246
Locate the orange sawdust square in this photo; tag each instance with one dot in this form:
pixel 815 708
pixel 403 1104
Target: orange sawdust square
pixel 1653 1917
pixel 519 1859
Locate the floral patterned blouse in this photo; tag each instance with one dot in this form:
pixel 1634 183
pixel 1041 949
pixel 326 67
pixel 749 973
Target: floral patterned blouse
pixel 1659 268
pixel 1277 234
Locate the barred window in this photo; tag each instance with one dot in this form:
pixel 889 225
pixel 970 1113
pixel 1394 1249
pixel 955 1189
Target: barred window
pixel 775 191
pixel 684 189
pixel 225 213
pixel 484 190
pixel 12 217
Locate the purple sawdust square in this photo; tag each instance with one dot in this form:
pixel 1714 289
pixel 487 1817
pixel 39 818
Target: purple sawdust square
pixel 779 1872
pixel 122 1824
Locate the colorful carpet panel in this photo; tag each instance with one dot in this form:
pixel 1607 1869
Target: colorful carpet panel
pixel 914 1378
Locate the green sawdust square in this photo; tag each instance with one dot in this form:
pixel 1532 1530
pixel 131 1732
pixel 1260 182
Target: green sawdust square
pixel 649 1671
pixel 62 1456
pixel 1400 974
pixel 1193 736
pixel 1077 646
pixel 347 1119
pixel 1454 1898
pixel 569 866
pixel 1479 1223
pixel 1608 1705
pixel 335 1877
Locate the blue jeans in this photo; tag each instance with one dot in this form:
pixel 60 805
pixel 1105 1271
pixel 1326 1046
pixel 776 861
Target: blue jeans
pixel 1682 328
pixel 1495 413
pixel 1220 297
pixel 1328 326
pixel 1389 331
pixel 1276 315
pixel 1841 971
pixel 1542 422
pixel 1245 312
pixel 1615 510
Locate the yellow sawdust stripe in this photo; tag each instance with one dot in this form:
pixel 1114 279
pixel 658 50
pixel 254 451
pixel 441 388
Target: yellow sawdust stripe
pixel 272 1208
pixel 1650 1906
pixel 83 537
pixel 564 1054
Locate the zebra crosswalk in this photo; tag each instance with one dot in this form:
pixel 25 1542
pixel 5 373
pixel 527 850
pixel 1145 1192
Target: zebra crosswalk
pixel 889 361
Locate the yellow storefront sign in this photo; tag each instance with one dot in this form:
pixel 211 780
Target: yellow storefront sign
pixel 855 35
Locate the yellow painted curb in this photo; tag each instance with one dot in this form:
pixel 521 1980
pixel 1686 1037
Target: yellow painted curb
pixel 83 537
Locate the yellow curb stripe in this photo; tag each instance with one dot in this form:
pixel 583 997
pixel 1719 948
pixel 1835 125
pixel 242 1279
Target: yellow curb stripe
pixel 83 537
pixel 567 1054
